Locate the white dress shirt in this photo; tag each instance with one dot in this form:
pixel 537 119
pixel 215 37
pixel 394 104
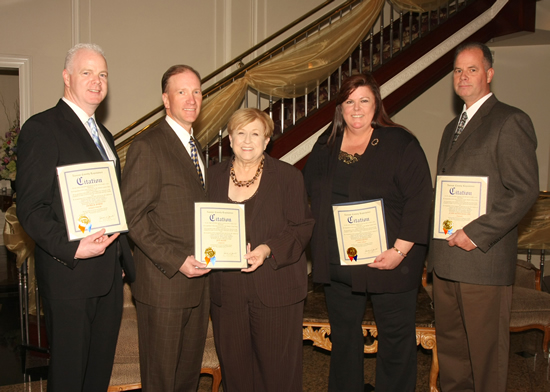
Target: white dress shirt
pixel 83 116
pixel 184 137
pixel 472 110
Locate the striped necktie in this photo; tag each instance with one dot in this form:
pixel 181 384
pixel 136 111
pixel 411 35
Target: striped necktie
pixel 460 127
pixel 195 159
pixel 95 136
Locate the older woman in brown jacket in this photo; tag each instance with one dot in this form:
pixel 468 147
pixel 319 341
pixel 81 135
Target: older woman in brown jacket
pixel 257 312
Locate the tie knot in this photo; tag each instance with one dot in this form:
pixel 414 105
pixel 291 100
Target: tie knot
pixel 192 141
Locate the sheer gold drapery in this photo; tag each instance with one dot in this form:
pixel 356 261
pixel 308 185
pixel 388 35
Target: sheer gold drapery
pixel 18 242
pixel 293 72
pixel 534 228
pixel 299 69
pixel 417 5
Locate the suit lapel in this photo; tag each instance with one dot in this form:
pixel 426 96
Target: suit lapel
pixel 266 188
pixel 475 123
pixel 201 157
pixel 108 138
pixel 79 130
pixel 179 152
pixel 450 135
pixel 110 141
pixel 221 190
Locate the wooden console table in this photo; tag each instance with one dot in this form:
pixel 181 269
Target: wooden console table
pixel 317 328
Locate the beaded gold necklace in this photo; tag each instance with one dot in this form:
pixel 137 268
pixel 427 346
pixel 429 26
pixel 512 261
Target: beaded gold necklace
pixel 249 182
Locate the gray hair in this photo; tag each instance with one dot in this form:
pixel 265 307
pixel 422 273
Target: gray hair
pixel 78 47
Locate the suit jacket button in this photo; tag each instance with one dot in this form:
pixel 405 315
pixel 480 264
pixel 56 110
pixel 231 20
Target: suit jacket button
pixel 443 170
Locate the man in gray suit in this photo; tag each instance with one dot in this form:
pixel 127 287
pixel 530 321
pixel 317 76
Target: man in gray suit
pixel 474 268
pixel 163 178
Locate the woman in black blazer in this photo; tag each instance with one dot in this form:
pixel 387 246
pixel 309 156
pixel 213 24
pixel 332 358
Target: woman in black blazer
pixel 366 156
pixel 257 312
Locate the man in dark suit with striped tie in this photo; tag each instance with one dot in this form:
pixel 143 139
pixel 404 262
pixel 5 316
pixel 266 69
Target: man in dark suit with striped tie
pixel 474 267
pixel 163 178
pixel 81 281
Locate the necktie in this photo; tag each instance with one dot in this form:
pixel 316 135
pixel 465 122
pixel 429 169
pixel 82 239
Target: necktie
pixel 460 127
pixel 195 159
pixel 95 136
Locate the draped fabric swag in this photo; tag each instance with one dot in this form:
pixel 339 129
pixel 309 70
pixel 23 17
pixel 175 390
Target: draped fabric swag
pixel 18 242
pixel 299 69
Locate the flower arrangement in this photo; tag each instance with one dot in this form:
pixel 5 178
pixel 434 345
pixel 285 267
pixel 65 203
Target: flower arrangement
pixel 8 151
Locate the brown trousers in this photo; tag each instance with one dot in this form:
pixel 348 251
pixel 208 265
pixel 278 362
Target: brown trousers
pixel 473 337
pixel 259 347
pixel 171 346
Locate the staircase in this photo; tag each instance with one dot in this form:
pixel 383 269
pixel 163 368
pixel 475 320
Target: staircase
pixel 417 44
pixel 515 16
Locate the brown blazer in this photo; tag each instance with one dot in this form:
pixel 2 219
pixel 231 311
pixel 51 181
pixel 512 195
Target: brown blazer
pixel 159 188
pixel 282 220
pixel 499 142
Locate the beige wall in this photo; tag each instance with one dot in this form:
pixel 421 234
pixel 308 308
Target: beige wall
pixel 521 79
pixel 40 30
pixel 530 94
pixel 141 39
pixel 520 83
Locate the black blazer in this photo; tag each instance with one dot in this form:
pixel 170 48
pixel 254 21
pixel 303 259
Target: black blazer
pixel 281 219
pixel 394 168
pixel 49 139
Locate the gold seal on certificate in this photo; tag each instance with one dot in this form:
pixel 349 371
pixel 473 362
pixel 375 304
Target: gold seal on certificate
pixel 352 254
pixel 91 199
pixel 458 201
pixel 360 231
pixel 220 235
pixel 447 226
pixel 210 256
pixel 84 223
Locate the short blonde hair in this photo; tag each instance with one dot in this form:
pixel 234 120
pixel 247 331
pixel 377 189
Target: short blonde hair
pixel 243 117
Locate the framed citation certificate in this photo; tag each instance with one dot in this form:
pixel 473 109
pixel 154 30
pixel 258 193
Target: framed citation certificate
pixel 360 231
pixel 220 235
pixel 458 201
pixel 91 199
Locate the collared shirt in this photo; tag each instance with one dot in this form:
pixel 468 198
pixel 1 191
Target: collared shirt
pixel 184 137
pixel 472 110
pixel 83 116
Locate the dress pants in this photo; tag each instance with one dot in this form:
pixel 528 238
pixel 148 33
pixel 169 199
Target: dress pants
pixel 259 347
pixel 395 320
pixel 171 346
pixel 473 336
pixel 82 334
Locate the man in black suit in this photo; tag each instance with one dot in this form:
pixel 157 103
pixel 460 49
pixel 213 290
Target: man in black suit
pixel 80 282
